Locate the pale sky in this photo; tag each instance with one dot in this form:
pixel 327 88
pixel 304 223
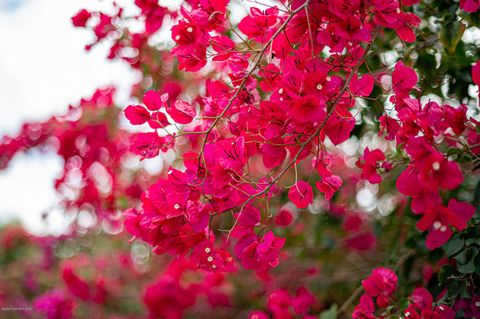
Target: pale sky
pixel 43 68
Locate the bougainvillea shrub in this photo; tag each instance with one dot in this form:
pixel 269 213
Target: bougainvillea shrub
pixel 320 159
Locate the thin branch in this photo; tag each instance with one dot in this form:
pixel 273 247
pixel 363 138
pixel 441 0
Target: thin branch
pixel 307 142
pixel 359 289
pixel 245 79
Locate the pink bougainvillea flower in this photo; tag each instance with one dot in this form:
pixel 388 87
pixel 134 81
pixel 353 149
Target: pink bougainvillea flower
pixel 284 305
pixel 167 298
pixel 421 298
pixel 303 300
pixel 132 222
pixel 469 306
pixel 457 214
pixel 381 284
pixel 456 117
pixel 185 32
pixel 369 165
pixel 273 153
pixel 190 59
pixel 406 23
pixel 328 185
pixel 301 194
pixel 153 13
pixel 182 112
pixel 339 126
pixel 389 127
pixel 158 120
pixel 55 304
pixel 308 109
pixel 136 114
pixel 224 46
pixel 81 18
pixel 77 286
pixel 362 86
pixel 250 217
pixel 259 253
pixel 269 247
pixel 470 5
pixel 103 27
pixel 284 217
pixel 440 220
pixel 153 100
pixel 279 303
pixel 198 216
pixel 211 259
pixel 230 153
pixel 147 145
pixel 365 309
pixel 422 307
pixel 258 23
pixel 403 79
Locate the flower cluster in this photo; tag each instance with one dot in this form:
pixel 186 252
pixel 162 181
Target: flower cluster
pixel 296 146
pixel 419 131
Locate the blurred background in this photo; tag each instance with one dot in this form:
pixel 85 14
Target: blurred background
pixel 43 69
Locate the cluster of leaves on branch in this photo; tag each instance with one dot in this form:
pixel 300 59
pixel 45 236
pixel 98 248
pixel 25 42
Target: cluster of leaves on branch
pixel 307 146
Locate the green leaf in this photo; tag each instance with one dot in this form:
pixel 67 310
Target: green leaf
pixel 454 245
pixel 468 268
pixel 466 264
pixel 451 35
pixel 471 241
pixel 461 258
pixel 330 313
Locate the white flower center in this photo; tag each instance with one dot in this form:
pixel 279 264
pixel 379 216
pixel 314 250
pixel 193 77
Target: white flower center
pixel 437 225
pixel 436 166
pixel 189 29
pixel 207 250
